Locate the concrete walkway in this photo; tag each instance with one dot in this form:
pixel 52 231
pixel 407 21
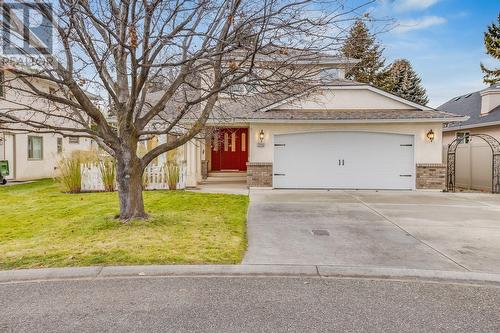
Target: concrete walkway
pixel 391 229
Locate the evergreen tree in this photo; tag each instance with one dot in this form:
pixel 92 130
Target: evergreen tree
pixel 361 44
pixel 400 79
pixel 492 44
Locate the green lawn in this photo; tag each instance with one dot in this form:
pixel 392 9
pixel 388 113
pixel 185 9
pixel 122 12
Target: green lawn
pixel 42 227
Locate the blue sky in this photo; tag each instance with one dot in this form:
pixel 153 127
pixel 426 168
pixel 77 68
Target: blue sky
pixel 443 39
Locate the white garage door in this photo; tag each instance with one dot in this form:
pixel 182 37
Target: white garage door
pixel 349 160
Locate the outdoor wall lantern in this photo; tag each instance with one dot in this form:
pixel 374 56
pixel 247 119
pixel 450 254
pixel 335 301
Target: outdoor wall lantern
pixel 430 135
pixel 261 138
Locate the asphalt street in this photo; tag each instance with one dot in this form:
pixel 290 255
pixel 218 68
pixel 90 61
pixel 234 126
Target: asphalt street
pixel 247 304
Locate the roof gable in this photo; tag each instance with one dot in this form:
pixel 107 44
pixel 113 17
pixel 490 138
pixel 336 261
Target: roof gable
pixel 358 97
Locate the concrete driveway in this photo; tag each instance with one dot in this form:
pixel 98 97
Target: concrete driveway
pixel 422 230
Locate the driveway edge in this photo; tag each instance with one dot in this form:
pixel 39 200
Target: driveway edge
pixel 324 271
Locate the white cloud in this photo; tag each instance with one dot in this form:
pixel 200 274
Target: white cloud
pixel 418 24
pixel 407 5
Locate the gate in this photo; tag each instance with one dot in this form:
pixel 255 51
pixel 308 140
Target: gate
pixel 495 167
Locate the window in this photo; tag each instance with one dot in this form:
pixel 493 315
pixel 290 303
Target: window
pixel 464 137
pixel 237 89
pixel 243 86
pixel 59 145
pixel 243 142
pixel 73 139
pixel 35 147
pixel 330 74
pixel 226 141
pixel 233 142
pixel 2 84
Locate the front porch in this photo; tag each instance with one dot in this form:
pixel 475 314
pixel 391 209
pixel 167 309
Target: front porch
pixel 233 182
pixel 219 161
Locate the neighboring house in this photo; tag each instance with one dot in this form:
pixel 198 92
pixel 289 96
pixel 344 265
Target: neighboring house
pixel 482 108
pixel 342 134
pixel 33 155
pixel 474 156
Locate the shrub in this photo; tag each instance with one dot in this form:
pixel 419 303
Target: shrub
pixel 107 167
pixel 173 170
pixel 173 174
pixel 69 176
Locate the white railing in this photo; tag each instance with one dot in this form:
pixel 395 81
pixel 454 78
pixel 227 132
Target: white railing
pixel 155 177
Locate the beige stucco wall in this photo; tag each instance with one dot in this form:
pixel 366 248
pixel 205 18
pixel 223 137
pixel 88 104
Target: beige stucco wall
pixel 342 99
pixel 26 169
pixel 23 168
pixel 494 131
pixel 425 151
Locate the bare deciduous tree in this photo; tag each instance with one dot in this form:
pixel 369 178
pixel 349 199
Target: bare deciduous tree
pixel 185 53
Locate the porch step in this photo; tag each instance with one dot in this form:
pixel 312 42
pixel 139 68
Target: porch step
pixel 230 174
pixel 226 177
pixel 225 180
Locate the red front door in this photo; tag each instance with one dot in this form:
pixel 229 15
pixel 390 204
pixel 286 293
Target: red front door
pixel 230 149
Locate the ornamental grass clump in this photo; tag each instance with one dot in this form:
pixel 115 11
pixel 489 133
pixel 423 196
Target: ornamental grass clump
pixel 173 174
pixel 173 170
pixel 69 176
pixel 107 168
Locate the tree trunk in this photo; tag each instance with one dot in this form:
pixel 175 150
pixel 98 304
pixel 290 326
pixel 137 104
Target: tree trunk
pixel 129 178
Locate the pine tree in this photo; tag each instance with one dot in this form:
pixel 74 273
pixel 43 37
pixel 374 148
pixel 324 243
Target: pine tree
pixel 361 44
pixel 400 79
pixel 492 44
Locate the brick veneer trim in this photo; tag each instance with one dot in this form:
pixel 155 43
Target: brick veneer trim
pixel 431 176
pixel 259 174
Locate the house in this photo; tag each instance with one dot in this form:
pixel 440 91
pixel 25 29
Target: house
pixel 483 109
pixel 32 155
pixel 340 134
pixel 474 155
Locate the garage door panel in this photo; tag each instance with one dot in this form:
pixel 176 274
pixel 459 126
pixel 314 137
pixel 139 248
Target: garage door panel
pixel 344 160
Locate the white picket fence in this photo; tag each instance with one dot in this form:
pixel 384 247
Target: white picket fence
pixel 155 177
pixel 91 177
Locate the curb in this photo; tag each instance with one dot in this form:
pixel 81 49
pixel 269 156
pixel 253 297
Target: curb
pixel 324 271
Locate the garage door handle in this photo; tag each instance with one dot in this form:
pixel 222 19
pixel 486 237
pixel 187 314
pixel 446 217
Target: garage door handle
pixel 404 175
pixel 342 162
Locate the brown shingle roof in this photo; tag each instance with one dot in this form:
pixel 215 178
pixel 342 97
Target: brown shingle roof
pixel 250 108
pixel 346 115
